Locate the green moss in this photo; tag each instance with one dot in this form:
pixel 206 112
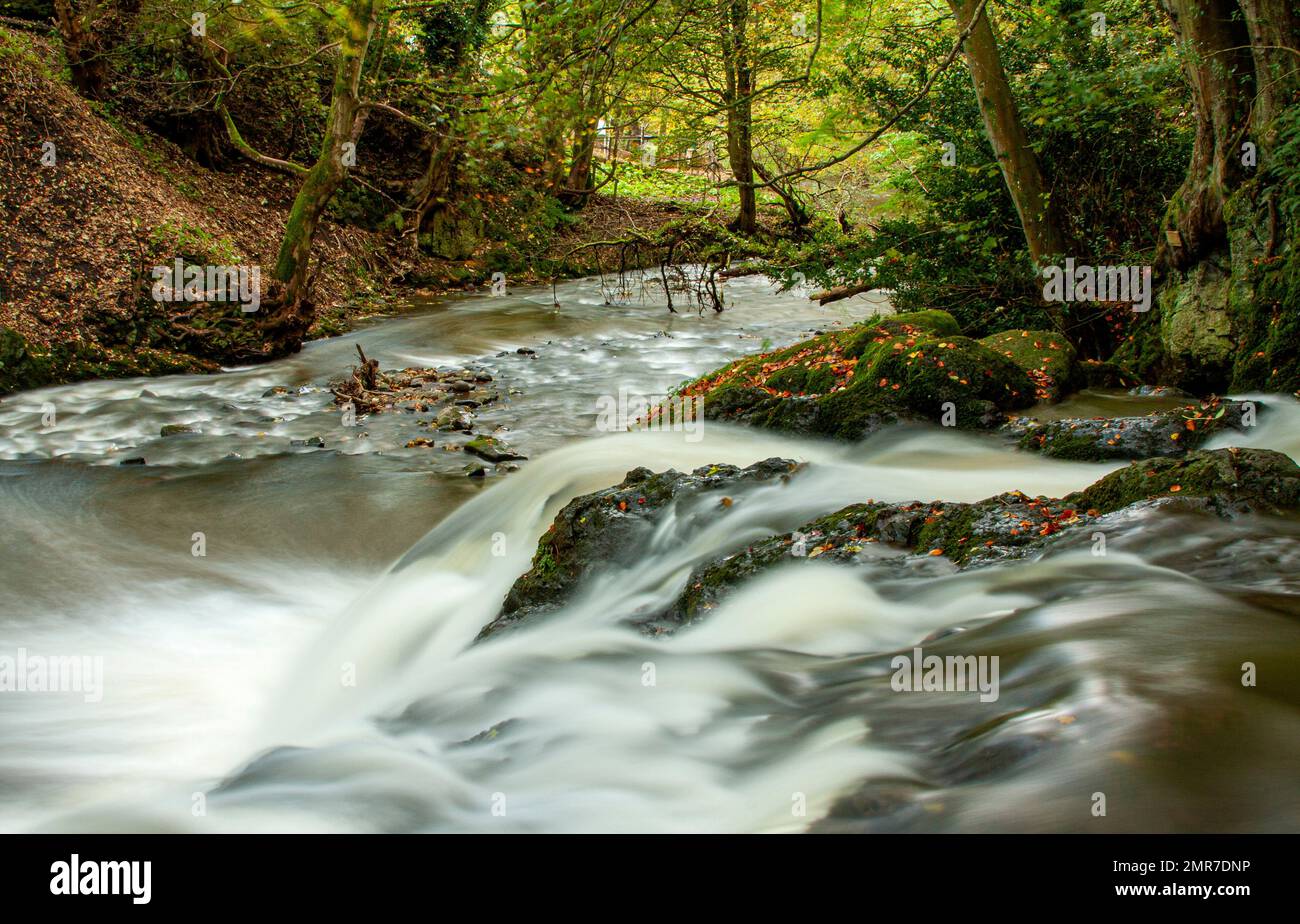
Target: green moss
pixel 1143 352
pixel 194 244
pixel 939 323
pixel 544 563
pixel 1063 443
pixel 1269 329
pixel 864 338
pixel 546 579
pixel 851 413
pixel 800 380
pixel 952 531
pixel 1043 354
pixel 1264 479
pixel 958 371
pixel 849 383
pixel 24 367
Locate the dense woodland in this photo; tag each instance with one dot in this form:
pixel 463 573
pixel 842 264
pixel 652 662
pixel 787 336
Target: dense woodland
pixel 945 152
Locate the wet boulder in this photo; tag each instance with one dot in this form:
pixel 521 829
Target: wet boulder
pixel 1050 361
pixel 1096 373
pixel 491 449
pixel 612 526
pixel 1169 433
pixel 1225 482
pixel 454 418
pixel 847 384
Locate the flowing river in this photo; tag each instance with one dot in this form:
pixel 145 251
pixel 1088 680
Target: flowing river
pixel 314 669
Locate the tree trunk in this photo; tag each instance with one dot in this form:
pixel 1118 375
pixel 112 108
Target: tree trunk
pixel 1006 134
pixel 795 207
pixel 327 174
pixel 1274 28
pixel 739 98
pixel 431 191
pixel 1217 61
pixel 578 188
pixel 431 194
pixel 1227 262
pixel 88 66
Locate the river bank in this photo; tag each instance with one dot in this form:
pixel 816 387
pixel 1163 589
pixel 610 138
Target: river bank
pixel 92 201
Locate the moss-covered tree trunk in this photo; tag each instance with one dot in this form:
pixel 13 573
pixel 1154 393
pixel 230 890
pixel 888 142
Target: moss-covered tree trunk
pixel 337 152
pixel 1225 316
pixel 1274 30
pixel 1216 58
pixel 1006 133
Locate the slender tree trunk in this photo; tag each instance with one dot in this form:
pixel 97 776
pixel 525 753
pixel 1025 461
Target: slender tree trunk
pixel 591 104
pixel 1006 134
pixel 331 167
pixel 739 101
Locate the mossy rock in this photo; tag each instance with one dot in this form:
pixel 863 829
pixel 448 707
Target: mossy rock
pixel 1006 527
pixel 1268 328
pixel 1232 322
pixel 24 367
pixel 1095 373
pixel 933 320
pixel 1231 480
pixel 1170 433
pixel 1143 353
pixel 847 384
pixel 609 528
pixel 935 372
pixel 492 449
pixel 1047 358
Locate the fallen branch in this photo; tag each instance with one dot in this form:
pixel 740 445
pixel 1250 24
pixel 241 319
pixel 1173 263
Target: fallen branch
pixel 736 272
pixel 826 296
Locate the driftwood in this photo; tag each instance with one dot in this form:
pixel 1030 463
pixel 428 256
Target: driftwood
pixel 826 296
pixel 371 391
pixel 736 272
pixel 368 371
pixel 366 389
